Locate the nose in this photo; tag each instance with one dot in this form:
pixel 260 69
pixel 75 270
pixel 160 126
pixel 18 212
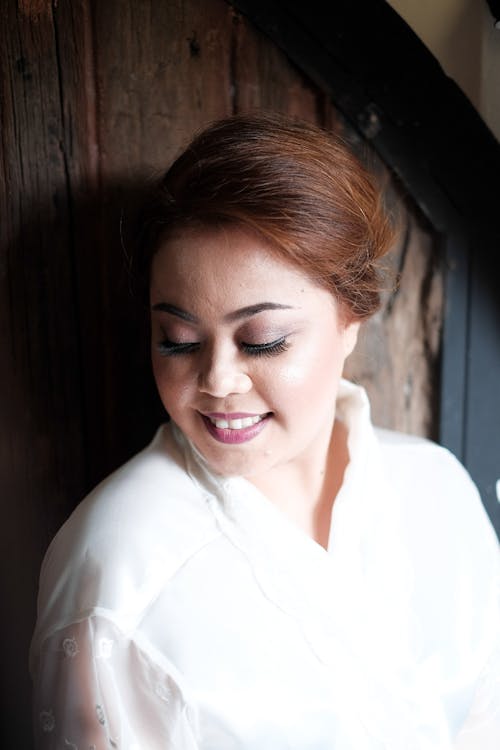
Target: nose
pixel 221 374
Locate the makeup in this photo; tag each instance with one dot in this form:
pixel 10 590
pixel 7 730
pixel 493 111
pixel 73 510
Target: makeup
pixel 243 335
pixel 234 428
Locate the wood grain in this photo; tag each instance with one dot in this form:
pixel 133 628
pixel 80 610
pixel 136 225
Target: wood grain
pixel 41 449
pixel 397 357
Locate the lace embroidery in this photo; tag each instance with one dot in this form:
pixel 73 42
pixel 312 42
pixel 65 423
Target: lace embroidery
pixel 100 715
pixel 104 648
pixel 47 721
pixel 70 647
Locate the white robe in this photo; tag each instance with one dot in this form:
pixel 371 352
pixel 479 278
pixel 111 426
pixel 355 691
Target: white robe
pixel 179 609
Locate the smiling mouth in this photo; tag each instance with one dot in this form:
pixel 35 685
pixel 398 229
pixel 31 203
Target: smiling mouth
pixel 236 424
pixel 235 428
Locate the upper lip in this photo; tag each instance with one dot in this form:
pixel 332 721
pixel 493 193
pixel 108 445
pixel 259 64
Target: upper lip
pixel 232 415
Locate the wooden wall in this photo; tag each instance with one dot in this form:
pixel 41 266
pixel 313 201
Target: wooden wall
pixel 95 97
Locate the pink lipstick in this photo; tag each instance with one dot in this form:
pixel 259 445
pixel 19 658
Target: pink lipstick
pixel 236 427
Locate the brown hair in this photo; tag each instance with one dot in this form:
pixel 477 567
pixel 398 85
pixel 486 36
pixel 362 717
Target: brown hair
pixel 300 187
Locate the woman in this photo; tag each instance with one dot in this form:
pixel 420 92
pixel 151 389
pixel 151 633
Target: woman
pixel 271 572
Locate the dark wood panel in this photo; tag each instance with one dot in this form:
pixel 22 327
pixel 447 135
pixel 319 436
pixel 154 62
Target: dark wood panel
pixel 264 79
pixel 41 450
pixel 163 70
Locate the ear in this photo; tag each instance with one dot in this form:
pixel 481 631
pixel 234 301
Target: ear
pixel 350 336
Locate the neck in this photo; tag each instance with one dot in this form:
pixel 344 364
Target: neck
pixel 306 492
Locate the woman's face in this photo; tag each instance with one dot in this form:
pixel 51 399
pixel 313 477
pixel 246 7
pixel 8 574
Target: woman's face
pixel 247 351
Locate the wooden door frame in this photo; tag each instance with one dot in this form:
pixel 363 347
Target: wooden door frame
pixel 392 90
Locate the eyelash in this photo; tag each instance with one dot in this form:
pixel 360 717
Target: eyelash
pixel 170 348
pixel 266 350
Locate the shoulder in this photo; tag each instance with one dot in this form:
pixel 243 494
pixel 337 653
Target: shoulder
pixel 441 510
pixel 150 497
pixel 433 485
pixel 126 539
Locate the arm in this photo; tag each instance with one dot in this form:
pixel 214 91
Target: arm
pixel 95 687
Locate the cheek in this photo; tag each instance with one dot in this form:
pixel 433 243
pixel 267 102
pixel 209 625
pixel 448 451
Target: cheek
pixel 159 373
pixel 307 380
pixel 172 382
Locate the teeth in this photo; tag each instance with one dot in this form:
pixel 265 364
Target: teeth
pixel 235 424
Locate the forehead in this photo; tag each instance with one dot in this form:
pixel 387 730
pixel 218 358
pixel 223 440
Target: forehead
pixel 229 260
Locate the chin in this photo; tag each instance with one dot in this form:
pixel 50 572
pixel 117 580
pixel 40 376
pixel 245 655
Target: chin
pixel 235 463
pixel 231 467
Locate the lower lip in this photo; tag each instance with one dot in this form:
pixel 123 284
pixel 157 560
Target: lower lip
pixel 232 437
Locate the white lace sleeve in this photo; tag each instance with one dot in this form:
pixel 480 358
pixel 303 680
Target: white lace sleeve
pixel 95 689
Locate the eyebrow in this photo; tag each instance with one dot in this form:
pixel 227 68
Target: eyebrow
pixel 243 312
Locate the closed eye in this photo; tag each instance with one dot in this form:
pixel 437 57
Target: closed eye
pixel 167 348
pixel 266 350
pixel 171 348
